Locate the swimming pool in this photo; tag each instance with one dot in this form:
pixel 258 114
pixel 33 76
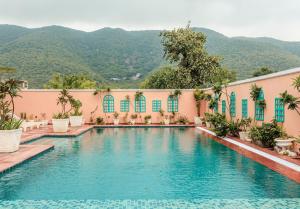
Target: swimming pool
pixel 142 163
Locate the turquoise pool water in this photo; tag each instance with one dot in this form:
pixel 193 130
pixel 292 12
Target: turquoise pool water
pixel 142 164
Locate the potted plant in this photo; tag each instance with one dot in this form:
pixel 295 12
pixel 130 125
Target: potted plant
pixel 167 120
pixel 266 134
pixel 207 119
pixel 296 146
pixel 199 95
pixel 99 121
pixel 116 118
pixel 133 117
pixel 60 121
pixel 76 118
pixel 162 114
pixel 10 131
pixel 244 129
pixel 182 120
pixel 147 119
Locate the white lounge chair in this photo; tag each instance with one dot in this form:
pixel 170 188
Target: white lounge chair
pixel 29 124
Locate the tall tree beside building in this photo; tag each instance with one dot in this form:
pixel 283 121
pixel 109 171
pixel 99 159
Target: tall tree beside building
pixel 192 66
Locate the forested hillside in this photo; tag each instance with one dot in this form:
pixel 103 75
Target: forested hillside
pixel 125 57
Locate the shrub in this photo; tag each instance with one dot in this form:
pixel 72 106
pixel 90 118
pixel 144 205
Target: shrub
pixel 234 127
pixel 147 117
pixel 182 120
pixel 266 134
pixel 116 115
pixel 99 121
pixel 245 123
pixel 219 123
pixel 133 116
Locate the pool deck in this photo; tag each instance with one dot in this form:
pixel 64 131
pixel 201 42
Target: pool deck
pixel 284 165
pixel 26 152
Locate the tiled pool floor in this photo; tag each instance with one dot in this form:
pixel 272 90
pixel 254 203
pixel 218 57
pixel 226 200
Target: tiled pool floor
pixel 203 203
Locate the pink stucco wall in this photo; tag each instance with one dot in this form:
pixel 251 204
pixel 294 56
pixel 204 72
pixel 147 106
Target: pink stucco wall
pixel 36 102
pixel 272 86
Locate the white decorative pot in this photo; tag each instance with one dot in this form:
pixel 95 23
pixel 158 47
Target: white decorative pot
pixel 60 125
pixel 197 120
pixel 166 121
pixel 132 121
pixel 76 121
pixel 284 143
pixel 10 140
pixel 116 121
pixel 244 135
pixel 208 124
pixel 148 121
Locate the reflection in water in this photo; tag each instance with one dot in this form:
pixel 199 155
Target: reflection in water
pixel 143 163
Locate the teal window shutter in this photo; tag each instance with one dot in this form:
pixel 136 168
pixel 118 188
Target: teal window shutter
pixel 223 106
pixel 259 111
pixel 124 105
pixel 156 105
pixel 108 104
pixel 232 104
pixel 279 110
pixel 140 104
pixel 172 104
pixel 244 108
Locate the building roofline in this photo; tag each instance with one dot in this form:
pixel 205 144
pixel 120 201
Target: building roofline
pixel 268 76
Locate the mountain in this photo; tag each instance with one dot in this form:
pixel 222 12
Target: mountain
pixel 126 57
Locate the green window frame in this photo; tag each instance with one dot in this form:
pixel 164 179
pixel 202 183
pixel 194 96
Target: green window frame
pixel 156 105
pixel 232 104
pixel 124 105
pixel 108 104
pixel 172 104
pixel 216 107
pixel 223 106
pixel 279 110
pixel 259 111
pixel 140 104
pixel 244 108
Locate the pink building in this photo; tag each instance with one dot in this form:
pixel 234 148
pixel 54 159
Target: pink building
pixel 272 85
pixel 37 101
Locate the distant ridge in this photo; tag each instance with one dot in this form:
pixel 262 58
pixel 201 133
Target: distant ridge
pixel 126 56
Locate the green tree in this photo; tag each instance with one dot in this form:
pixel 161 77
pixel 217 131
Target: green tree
pixel 75 81
pixel 262 71
pixel 194 66
pixel 167 78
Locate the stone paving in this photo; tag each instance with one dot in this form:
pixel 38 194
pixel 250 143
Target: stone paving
pixel 9 160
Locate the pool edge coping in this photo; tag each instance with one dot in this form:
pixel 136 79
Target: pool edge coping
pixel 280 163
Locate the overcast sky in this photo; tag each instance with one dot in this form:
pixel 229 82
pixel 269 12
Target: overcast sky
pixel 273 18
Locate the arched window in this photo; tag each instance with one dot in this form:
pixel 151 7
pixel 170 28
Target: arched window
pixel 259 109
pixel 172 104
pixel 140 104
pixel 108 104
pixel 223 106
pixel 232 104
